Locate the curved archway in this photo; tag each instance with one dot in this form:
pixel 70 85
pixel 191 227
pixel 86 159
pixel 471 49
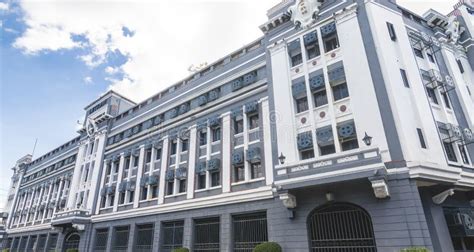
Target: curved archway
pixel 71 241
pixel 341 227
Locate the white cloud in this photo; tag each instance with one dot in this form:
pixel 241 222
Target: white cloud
pixel 88 80
pixel 168 36
pixel 3 6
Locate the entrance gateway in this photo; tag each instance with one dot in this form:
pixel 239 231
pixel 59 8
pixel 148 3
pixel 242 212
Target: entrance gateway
pixel 340 227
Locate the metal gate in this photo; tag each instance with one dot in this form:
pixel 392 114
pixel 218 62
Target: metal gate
pixel 71 241
pixel 341 227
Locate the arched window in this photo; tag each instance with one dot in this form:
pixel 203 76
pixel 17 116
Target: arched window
pixel 341 227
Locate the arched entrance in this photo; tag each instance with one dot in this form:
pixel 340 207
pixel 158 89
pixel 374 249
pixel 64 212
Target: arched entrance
pixel 71 241
pixel 340 227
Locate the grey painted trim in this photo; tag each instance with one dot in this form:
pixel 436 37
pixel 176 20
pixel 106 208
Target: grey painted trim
pixel 383 100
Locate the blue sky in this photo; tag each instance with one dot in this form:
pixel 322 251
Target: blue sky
pixel 57 56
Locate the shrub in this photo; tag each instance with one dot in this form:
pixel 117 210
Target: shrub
pixel 72 250
pixel 6 250
pixel 415 249
pixel 180 250
pixel 268 247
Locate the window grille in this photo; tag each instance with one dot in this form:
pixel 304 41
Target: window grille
pixel 341 227
pixel 41 243
pixel 23 241
pixel 120 239
pixel 206 235
pixel 101 240
pixel 144 238
pixel 172 235
pixel 249 230
pixel 32 243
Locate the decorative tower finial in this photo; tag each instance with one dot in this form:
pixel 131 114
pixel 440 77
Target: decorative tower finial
pixel 304 12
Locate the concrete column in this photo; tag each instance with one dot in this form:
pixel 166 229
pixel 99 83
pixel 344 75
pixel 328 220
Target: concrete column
pixel 119 180
pixel 226 152
pixel 141 162
pixel 95 173
pixel 100 186
pixel 187 233
pixel 164 166
pixel 192 161
pixel 75 182
pixel 58 196
pixel 47 200
pixel 246 144
pixel 39 202
pixel 267 141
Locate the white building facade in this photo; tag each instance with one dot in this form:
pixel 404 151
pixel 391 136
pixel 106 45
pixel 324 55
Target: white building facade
pixel 348 126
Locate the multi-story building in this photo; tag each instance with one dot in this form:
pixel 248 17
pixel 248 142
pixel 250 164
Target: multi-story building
pixel 348 126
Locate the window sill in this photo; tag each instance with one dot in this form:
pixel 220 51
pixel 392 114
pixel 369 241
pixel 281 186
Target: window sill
pixel 208 189
pixel 125 204
pixel 175 195
pixel 345 99
pixel 247 181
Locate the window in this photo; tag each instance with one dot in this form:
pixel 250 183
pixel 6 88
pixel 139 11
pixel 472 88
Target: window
pixel 154 191
pixel 421 137
pixel 158 154
pixel 52 241
pixel 148 156
pixel 184 145
pixel 238 125
pixel 311 45
pixel 340 91
pixel 463 152
pixel 144 238
pixel 206 235
pixel 182 185
pixel 174 147
pixel 253 121
pixel 201 181
pixel 239 173
pixel 432 95
pixel 301 104
pixel 41 243
pixel 404 78
pixel 135 161
pixel 418 53
pixel 170 187
pixel 461 68
pixel 122 198
pixel 347 136
pixel 202 137
pixel 430 57
pixel 216 134
pixel 326 150
pixel 256 170
pixel 391 31
pixel 120 239
pixel 446 99
pixel 172 236
pixel 111 200
pixel 144 193
pixel 100 243
pixel 451 155
pixel 131 195
pixel 329 34
pixel 215 179
pixel 307 154
pixel 294 52
pixel 320 98
pixel 249 230
pixel 103 199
